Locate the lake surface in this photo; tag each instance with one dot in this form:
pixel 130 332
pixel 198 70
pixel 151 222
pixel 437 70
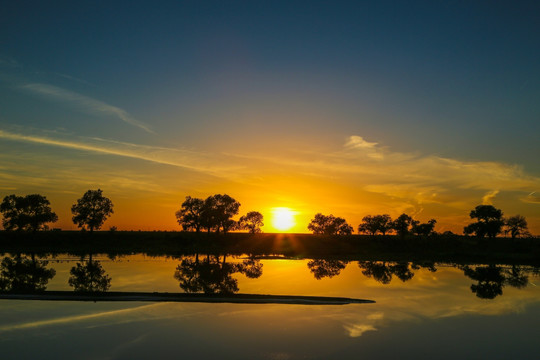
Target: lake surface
pixel 420 311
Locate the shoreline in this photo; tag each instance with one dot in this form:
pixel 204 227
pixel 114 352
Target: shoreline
pixel 185 297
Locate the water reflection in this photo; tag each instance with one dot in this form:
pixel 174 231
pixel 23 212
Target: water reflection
pixel 24 275
pixel 214 276
pixel 383 272
pixel 223 274
pixel 89 276
pixel 491 279
pixel 326 268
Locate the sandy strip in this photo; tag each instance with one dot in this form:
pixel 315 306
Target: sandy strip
pixel 183 297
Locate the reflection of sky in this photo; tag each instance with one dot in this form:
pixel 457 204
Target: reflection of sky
pixel 352 108
pixel 429 313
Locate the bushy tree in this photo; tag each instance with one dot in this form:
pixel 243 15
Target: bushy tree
pixel 29 213
pixel 189 215
pixel 92 210
pixel 373 224
pixel 321 268
pixel 516 225
pixel 251 222
pixel 20 274
pixel 489 221
pixel 329 225
pixel 217 213
pixel 89 277
pixel 423 229
pixel 401 224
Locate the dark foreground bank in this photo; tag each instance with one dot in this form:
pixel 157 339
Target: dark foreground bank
pixel 353 247
pixel 183 297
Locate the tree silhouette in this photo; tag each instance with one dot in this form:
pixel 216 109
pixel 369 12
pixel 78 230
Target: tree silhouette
pixel 516 225
pixel 424 229
pixel 383 272
pixel 89 277
pixel 210 276
pixel 373 224
pixel 23 275
pixel 489 221
pixel 189 215
pixel 251 268
pixel 30 212
pixel 401 225
pixel 379 271
pixel 92 210
pixel 516 277
pixel 490 280
pixel 329 225
pixel 251 222
pixel 217 213
pixel 326 268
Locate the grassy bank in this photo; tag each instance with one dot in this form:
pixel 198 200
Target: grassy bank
pixel 353 247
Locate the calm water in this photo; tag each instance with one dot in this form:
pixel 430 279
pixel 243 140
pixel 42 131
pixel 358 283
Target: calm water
pixel 421 310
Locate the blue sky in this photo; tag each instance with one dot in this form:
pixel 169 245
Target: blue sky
pixel 221 95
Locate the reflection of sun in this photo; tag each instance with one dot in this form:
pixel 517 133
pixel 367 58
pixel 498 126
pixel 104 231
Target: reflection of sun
pixel 282 218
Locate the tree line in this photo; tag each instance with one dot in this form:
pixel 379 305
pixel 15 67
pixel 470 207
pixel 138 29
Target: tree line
pixel 216 212
pixel 33 212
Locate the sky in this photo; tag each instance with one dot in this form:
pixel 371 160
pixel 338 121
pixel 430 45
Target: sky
pixel 344 108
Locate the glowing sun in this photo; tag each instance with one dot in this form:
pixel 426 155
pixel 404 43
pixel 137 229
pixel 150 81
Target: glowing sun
pixel 283 218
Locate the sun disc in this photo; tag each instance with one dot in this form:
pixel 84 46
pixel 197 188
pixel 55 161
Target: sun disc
pixel 283 218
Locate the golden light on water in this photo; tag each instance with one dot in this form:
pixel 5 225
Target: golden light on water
pixel 283 218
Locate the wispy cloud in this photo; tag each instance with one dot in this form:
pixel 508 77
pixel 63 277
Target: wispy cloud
pixel 533 198
pixel 488 198
pixel 84 103
pixel 196 161
pixel 81 318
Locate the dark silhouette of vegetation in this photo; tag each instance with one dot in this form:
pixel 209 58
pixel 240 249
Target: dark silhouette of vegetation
pixel 423 229
pixel 251 222
pixel 383 272
pixel 218 211
pixel 401 225
pixel 516 225
pixel 22 275
pixel 214 213
pixel 190 214
pixel 89 277
pixel 489 222
pixel 329 225
pixel 374 224
pixel 28 213
pixel 321 268
pixel 491 279
pixel 91 211
pixel 212 275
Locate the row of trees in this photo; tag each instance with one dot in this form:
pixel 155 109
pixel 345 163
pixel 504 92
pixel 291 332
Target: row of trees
pixel 489 222
pixel 20 274
pixel 33 212
pixel 383 224
pixel 216 212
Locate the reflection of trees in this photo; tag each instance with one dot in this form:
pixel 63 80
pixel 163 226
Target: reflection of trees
pixel 21 274
pixel 326 268
pixel 491 279
pixel 383 272
pixel 214 276
pixel 516 277
pixel 89 277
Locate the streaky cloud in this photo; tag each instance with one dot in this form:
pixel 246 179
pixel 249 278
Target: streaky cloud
pixel 167 156
pixel 488 198
pixel 85 103
pixel 532 198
